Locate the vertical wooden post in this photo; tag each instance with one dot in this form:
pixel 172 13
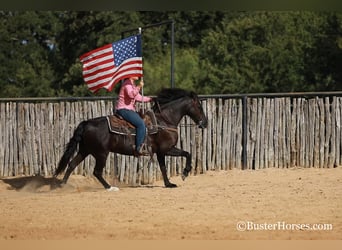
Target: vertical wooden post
pixel 244 132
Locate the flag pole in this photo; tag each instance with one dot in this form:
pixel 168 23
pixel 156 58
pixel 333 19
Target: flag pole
pixel 142 79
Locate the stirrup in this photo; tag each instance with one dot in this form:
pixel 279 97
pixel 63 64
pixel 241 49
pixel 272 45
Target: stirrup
pixel 144 150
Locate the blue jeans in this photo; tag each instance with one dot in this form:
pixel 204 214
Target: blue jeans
pixel 134 118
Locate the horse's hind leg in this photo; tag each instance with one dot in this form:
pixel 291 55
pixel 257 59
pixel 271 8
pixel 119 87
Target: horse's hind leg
pixel 98 170
pixel 72 165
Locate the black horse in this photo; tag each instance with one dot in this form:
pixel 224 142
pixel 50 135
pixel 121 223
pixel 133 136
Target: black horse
pixel 93 137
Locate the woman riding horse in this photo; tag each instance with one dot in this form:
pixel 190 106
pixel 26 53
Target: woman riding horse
pixel 93 137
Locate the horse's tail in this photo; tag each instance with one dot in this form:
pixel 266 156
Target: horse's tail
pixel 70 148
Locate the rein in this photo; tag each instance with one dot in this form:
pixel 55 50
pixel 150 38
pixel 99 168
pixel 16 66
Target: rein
pixel 188 125
pixel 161 114
pixel 168 128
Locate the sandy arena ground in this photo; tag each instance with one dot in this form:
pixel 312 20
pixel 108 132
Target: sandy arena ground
pixel 235 204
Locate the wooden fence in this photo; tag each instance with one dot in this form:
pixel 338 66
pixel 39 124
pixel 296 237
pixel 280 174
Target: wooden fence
pixel 290 132
pixel 261 132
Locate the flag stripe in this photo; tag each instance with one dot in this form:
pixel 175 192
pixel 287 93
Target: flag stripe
pixel 109 74
pixel 109 77
pixel 98 61
pixel 103 64
pixel 109 85
pixel 134 62
pixel 96 52
pixel 98 55
pixel 99 72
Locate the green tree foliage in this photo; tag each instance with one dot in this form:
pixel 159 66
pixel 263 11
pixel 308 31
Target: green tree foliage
pixel 270 52
pixel 25 47
pixel 215 52
pixel 323 61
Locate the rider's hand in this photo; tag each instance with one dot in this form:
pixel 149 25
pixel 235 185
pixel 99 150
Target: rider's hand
pixel 141 84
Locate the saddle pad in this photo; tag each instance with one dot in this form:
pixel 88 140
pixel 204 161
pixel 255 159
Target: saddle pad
pixel 120 126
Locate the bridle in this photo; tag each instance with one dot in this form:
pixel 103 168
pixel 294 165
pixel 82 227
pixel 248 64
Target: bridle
pixel 165 118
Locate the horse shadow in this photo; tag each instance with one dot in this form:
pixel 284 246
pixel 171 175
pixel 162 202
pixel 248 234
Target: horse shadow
pixel 39 184
pixel 32 183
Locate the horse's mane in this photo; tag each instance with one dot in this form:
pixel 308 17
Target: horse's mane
pixel 167 95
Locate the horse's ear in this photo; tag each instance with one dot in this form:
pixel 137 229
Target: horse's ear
pixel 193 95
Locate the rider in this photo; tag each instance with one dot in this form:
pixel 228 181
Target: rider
pixel 125 107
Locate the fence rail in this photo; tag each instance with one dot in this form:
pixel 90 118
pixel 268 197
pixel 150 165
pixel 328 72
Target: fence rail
pixel 244 131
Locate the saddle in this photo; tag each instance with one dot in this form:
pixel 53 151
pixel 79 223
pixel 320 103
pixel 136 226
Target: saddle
pixel 118 125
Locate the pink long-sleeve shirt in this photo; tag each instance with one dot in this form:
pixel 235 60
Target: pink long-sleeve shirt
pixel 129 94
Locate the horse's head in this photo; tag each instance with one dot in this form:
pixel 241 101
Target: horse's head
pixel 175 103
pixel 196 112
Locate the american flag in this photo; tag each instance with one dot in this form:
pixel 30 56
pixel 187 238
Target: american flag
pixel 105 66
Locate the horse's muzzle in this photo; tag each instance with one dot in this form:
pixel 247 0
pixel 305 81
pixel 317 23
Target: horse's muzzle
pixel 203 123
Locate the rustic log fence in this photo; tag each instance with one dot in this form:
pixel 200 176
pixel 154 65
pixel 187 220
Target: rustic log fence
pixel 244 132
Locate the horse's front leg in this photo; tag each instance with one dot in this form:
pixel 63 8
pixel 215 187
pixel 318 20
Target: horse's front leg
pixel 161 161
pixel 179 152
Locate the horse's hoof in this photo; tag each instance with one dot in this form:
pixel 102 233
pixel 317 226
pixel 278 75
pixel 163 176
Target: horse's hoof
pixel 112 189
pixel 171 185
pixel 185 174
